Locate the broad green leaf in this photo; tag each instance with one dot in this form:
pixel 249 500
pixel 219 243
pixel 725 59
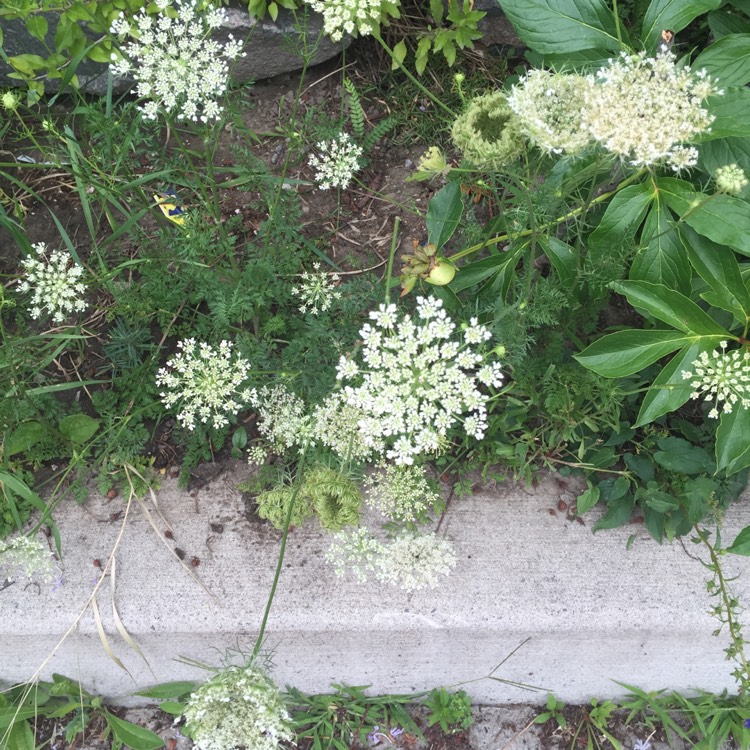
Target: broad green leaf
pixel 676 454
pixel 718 267
pixel 169 690
pixel 732 113
pixel 718 153
pixel 474 273
pixel 20 737
pixel 12 714
pixel 564 259
pixel 559 26
pixel 132 735
pixel 587 500
pixel 624 353
pixel 623 216
pixel 670 307
pixel 670 390
pixel 640 466
pixel 399 55
pixel 722 23
pixel 618 514
pixel 658 500
pixel 436 10
pixel 24 437
pixel 741 544
pixel 728 60
pixel 78 428
pixel 671 14
pixel 444 213
pixel 722 218
pixel 37 26
pixel 733 441
pixel 172 707
pixel 662 258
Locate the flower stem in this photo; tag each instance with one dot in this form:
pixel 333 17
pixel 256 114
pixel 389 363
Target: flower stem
pixel 389 269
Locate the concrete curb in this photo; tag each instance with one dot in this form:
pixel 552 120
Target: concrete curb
pixel 587 610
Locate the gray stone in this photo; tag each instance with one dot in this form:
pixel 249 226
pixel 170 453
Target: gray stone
pixel 273 48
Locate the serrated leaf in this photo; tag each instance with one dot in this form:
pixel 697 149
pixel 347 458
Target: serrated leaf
pixel 727 59
pixel 559 26
pixel 679 455
pixel 624 353
pixel 640 466
pixel 444 214
pixel 674 15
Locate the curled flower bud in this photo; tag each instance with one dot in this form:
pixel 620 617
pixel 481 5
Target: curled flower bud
pixel 730 179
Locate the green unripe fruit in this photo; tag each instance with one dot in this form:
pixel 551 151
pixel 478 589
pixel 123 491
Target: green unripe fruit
pixel 441 274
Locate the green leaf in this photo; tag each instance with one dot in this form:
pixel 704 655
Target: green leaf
pixel 618 514
pixel 670 307
pixel 640 466
pixel 674 15
pixel 10 715
pixel 727 59
pixel 169 690
pixel 587 499
pixel 558 26
pixel 624 215
pixel 658 500
pixel 444 213
pixel 399 55
pixel 733 441
pixel 138 738
pixel 722 218
pixel 723 151
pixel 627 352
pixel 273 11
pixel 663 260
pixel 670 390
pixel 78 428
pixel 20 737
pixel 564 259
pixel 474 273
pixel 718 267
pixel 24 437
pixel 437 10
pixel 722 23
pixel 741 544
pixel 37 26
pixel 679 455
pixel 732 113
pixel 173 708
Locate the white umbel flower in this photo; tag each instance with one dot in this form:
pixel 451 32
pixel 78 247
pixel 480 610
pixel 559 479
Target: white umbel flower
pixel 721 376
pixel 337 163
pixel 177 66
pixel 316 290
pixel 417 380
pixel 283 422
pixel 207 382
pixel 353 16
pixel 730 179
pixel 54 282
pixel 239 707
pixel 644 108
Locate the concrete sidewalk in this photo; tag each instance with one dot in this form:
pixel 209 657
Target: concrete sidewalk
pixel 584 610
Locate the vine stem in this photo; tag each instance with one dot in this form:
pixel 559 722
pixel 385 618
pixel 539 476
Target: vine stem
pixel 279 563
pixel 559 220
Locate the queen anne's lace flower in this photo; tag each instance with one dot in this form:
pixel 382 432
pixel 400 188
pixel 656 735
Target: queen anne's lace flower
pixel 337 163
pixel 721 376
pixel 206 381
pixel 317 290
pixel 336 425
pixel 548 106
pixel 354 16
pixel 410 561
pixel 54 282
pixel 401 493
pixel 176 65
pixel 27 557
pixel 731 179
pixel 417 381
pixel 283 422
pixel 642 108
pixel 239 707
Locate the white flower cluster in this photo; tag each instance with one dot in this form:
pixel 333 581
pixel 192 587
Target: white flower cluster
pixel 410 561
pixel 176 65
pixel 206 381
pixel 284 422
pixel 352 16
pixel 28 557
pixel 721 376
pixel 317 290
pixel 549 107
pixel 731 179
pixel 642 109
pixel 239 707
pixel 417 381
pixel 337 163
pixel 336 425
pixel 55 284
pixel 401 492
